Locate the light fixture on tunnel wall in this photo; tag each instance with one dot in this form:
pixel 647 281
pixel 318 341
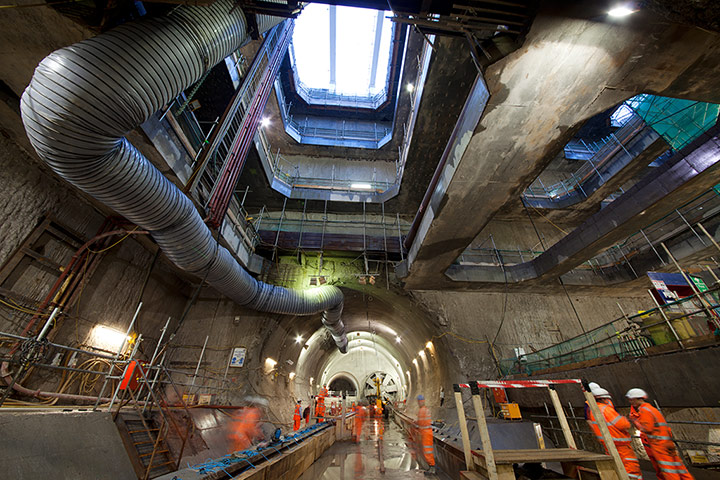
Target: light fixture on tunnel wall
pixel 429 345
pixel 265 122
pixel 421 353
pixel 397 339
pixel 415 361
pixel 106 338
pixel 361 186
pixel 409 87
pixel 298 339
pixel 291 375
pixel 311 381
pixel 270 363
pixel 622 10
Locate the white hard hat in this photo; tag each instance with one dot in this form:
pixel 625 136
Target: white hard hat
pixel 636 393
pixel 601 393
pixel 593 386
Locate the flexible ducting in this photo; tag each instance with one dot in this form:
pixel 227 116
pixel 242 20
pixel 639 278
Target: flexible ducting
pixel 84 99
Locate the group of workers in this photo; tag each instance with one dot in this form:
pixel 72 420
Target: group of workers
pixel 319 400
pixel 654 430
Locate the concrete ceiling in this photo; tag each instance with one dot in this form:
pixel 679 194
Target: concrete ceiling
pixel 568 70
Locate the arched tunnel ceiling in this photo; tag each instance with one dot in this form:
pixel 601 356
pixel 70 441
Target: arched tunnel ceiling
pixel 370 314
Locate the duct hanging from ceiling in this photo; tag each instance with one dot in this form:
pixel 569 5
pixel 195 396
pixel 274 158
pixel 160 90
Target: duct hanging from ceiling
pixel 84 99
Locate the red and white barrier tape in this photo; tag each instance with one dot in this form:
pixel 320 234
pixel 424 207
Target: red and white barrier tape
pixel 520 383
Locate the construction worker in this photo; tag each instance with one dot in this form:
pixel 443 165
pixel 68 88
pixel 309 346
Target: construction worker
pixel 320 403
pixel 619 427
pixel 297 416
pixel 656 437
pixel 306 412
pixel 245 429
pixel 359 417
pixel 424 425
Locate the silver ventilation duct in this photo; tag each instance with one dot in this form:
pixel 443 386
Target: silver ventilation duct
pixel 84 99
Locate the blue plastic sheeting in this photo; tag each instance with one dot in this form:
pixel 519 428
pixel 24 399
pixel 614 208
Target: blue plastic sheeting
pixel 244 456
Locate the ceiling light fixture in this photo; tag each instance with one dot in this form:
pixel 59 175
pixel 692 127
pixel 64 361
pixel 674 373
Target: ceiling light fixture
pixel 621 11
pixel 265 122
pixel 410 87
pixel 360 186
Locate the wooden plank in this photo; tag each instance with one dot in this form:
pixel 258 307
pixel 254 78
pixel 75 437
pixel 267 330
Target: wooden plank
pixel 468 475
pixel 607 438
pixel 608 470
pixel 469 463
pixel 546 455
pixel 484 434
pixel 561 417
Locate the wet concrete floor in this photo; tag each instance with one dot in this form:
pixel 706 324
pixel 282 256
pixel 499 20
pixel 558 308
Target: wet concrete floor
pixel 347 460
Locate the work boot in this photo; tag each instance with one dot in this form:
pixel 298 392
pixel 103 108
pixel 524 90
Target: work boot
pixel 430 471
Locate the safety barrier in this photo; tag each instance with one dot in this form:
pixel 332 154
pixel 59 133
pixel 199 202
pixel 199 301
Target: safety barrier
pixel 686 322
pixel 499 463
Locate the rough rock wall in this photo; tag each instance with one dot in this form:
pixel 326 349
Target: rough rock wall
pixel 529 320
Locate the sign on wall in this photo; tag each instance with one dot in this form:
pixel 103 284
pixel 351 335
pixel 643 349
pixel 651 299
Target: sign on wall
pixel 238 357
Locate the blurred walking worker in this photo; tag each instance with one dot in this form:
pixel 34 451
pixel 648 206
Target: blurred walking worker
pixel 297 416
pixel 245 429
pixel 656 437
pixel 619 427
pixel 424 424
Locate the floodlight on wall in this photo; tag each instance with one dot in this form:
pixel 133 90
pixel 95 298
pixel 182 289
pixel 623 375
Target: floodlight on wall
pixel 409 87
pixel 298 339
pixel 106 338
pixel 620 11
pixel 398 339
pixel 421 353
pixel 265 122
pixel 270 363
pixel 291 375
pixel 311 381
pixel 429 345
pixel 360 186
pixel 415 361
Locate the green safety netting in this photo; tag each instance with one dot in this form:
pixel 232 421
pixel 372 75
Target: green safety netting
pixel 678 121
pixel 600 342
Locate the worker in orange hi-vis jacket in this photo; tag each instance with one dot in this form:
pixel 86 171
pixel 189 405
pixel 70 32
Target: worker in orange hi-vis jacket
pixel 656 437
pixel 245 429
pixel 297 416
pixel 619 427
pixel 424 425
pixel 359 418
pixel 320 403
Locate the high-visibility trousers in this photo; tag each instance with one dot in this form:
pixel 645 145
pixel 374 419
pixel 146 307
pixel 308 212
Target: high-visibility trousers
pixel 296 422
pixel 668 465
pixel 629 460
pixel 358 428
pixel 426 437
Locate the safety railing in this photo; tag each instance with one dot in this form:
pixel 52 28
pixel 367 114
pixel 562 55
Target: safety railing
pixel 685 323
pixel 389 228
pixel 286 172
pixel 605 152
pixel 205 178
pixel 683 219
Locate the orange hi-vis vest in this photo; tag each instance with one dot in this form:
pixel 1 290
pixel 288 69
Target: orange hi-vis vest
pixel 618 425
pixel 298 413
pixel 653 425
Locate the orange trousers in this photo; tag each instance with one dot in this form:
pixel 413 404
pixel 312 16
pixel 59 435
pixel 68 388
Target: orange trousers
pixel 629 460
pixel 426 438
pixel 668 464
pixel 296 423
